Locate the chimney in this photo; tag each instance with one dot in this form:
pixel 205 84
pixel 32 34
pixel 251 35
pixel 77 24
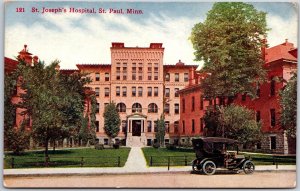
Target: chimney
pixel 263 47
pixel 35 60
pixel 25 56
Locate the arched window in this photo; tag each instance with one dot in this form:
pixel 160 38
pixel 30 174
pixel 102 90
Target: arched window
pixel 152 108
pixel 136 107
pixel 121 107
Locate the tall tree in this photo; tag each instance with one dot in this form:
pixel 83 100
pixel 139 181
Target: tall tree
pixel 161 130
pixel 288 102
pixel 229 42
pixel 112 120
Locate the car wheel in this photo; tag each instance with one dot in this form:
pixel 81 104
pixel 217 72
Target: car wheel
pixel 196 166
pixel 209 167
pixel 248 167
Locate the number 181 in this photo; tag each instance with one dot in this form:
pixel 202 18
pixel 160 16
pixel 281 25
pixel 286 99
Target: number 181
pixel 20 9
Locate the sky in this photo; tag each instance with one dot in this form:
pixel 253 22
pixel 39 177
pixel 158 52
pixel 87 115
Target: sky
pixel 75 38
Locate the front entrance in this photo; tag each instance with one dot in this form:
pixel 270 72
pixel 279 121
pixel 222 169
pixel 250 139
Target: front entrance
pixel 136 127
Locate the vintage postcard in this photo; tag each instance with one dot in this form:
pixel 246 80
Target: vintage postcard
pixel 154 94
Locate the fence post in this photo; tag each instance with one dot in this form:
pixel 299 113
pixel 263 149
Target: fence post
pixel 168 162
pixel 273 160
pixel 151 161
pixel 119 161
pixel 185 160
pixel 12 162
pixel 81 163
pixel 47 161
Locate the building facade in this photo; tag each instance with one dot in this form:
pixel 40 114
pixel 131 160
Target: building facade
pixel 280 64
pixel 142 88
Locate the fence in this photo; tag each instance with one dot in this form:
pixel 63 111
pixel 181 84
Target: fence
pixel 170 160
pixel 30 162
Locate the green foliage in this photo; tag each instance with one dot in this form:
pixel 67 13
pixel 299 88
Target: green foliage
pixel 161 131
pixel 235 122
pixel 288 102
pixel 229 42
pixel 112 120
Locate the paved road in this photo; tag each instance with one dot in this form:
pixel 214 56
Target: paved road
pixel 279 179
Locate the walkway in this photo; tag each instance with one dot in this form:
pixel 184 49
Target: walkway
pixel 136 161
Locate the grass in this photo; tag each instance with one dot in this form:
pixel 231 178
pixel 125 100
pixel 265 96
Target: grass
pixel 69 158
pixel 160 157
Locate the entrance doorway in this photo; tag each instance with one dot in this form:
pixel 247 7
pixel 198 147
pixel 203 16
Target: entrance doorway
pixel 136 127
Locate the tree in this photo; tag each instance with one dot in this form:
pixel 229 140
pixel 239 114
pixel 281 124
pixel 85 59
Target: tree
pixel 229 42
pixel 235 122
pixel 161 131
pixel 112 120
pixel 288 102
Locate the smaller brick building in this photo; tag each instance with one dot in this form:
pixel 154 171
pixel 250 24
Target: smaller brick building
pixel 280 63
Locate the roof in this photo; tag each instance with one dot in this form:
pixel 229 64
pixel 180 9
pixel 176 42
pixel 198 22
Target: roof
pixel 10 64
pixel 68 71
pixel 281 51
pixel 80 66
pixel 215 140
pixel 179 66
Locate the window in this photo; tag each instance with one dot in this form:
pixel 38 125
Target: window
pixel 176 77
pixel 167 77
pixel 97 77
pixel 118 72
pixel 155 75
pixel 140 71
pixel 121 107
pixel 124 91
pixel 176 108
pixel 155 126
pixel 155 91
pixel 149 71
pixel 149 91
pixel 176 126
pixel 152 108
pixel 186 77
pixel 105 141
pixel 183 126
pixel 193 103
pixel 167 93
pixel 201 124
pixel 167 126
pixel 201 102
pixel 106 92
pixel 193 126
pixel 97 126
pixel 273 142
pixel 272 86
pixel 210 102
pixel 183 105
pixel 140 89
pixel 176 92
pixel 149 126
pixel 97 91
pixel 273 117
pixel 244 96
pixel 257 116
pixel 257 89
pixel 133 91
pixel 106 76
pixel 167 108
pixel 124 71
pixel 136 107
pixel 133 71
pixel 149 142
pixel 156 71
pixel 97 107
pixel 118 91
pixel 124 126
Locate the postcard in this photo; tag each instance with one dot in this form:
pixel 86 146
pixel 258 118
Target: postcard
pixel 152 94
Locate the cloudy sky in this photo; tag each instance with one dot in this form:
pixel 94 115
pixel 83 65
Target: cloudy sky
pixel 76 38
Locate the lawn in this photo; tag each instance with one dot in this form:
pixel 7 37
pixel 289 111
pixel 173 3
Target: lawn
pixel 86 157
pixel 160 156
pixel 184 156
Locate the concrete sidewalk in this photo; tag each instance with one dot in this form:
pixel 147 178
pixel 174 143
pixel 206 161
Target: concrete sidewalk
pixel 135 164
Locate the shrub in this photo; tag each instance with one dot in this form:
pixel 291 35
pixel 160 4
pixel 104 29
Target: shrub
pixel 99 146
pixel 156 145
pixel 116 146
pixel 170 146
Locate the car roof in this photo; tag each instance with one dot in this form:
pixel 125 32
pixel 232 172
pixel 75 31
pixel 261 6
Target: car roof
pixel 215 140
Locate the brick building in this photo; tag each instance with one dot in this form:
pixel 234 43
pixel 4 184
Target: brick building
pixel 280 63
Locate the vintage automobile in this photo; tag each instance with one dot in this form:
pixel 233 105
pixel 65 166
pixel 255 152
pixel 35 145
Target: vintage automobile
pixel 213 153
